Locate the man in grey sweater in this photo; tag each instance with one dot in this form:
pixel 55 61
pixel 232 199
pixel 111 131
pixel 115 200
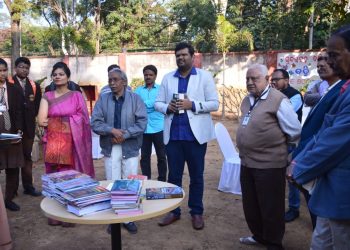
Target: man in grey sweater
pixel 120 118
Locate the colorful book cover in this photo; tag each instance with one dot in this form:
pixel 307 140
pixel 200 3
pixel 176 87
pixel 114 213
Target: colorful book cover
pixel 163 193
pixel 80 211
pixel 137 177
pixel 76 184
pixel 87 192
pixel 126 187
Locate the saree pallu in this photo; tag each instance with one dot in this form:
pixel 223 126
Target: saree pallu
pixel 67 140
pixel 59 147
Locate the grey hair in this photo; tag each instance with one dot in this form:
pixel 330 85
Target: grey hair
pixel 120 73
pixel 261 67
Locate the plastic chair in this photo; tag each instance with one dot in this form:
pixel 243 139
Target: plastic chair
pixel 231 166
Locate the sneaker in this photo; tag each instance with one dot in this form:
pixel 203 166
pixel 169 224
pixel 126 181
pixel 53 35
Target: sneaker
pixel 131 227
pixel 291 215
pixel 248 241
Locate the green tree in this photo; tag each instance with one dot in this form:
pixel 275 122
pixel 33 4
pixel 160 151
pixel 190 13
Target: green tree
pixel 135 25
pixel 71 18
pixel 195 21
pixel 16 9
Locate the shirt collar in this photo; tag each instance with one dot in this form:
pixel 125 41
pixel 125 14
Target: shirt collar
pixel 21 81
pixel 333 85
pixel 192 72
pixel 153 87
pixel 264 96
pixel 121 98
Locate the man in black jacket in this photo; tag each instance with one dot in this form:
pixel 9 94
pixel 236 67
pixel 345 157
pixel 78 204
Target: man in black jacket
pixel 280 81
pixel 32 95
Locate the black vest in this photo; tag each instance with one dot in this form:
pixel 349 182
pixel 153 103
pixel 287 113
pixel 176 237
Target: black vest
pixel 290 92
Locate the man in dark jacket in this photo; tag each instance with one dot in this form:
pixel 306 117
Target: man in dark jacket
pixel 32 95
pixel 280 81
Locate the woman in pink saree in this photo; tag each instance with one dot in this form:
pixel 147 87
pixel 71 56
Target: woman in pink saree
pixel 67 139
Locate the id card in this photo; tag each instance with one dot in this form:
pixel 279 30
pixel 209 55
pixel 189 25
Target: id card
pixel 245 120
pixel 3 108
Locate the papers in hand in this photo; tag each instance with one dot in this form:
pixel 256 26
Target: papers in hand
pixel 6 136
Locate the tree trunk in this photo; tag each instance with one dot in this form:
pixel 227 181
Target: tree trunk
pixel 15 42
pixel 98 27
pixel 15 35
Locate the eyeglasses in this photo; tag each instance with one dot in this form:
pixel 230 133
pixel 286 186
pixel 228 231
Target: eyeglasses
pixel 321 58
pixel 277 79
pixel 112 81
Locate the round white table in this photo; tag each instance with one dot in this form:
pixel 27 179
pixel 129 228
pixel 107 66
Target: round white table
pixel 151 208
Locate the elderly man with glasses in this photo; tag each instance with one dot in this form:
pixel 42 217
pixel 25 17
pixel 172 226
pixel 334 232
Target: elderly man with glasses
pixel 267 126
pixel 120 118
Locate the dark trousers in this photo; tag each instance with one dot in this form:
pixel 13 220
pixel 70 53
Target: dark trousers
pixel 193 153
pixel 263 195
pixel 312 215
pixel 26 171
pixel 12 182
pixel 146 152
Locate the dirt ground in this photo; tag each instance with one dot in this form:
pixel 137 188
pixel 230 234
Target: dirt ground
pixel 224 220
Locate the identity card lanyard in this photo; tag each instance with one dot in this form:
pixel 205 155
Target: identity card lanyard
pixel 247 116
pixel 3 107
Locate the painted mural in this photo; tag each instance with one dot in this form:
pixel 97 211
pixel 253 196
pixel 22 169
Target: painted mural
pixel 301 66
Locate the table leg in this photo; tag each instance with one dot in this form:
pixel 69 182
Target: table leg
pixel 116 236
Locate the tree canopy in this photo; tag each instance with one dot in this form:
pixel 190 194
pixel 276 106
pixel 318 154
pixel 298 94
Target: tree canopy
pixel 94 26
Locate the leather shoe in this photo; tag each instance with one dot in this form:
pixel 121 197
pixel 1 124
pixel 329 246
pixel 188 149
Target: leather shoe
pixel 291 215
pixel 32 192
pixel 10 205
pixel 197 222
pixel 168 219
pixel 130 227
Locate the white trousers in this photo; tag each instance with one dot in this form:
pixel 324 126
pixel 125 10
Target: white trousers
pixel 331 235
pixel 118 168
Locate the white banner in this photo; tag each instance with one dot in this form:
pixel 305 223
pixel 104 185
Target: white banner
pixel 301 66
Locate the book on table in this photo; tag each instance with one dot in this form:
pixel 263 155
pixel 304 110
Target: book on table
pixel 137 177
pixel 78 192
pixel 164 193
pixel 126 187
pixel 90 208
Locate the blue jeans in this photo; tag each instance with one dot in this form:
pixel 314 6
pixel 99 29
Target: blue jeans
pixel 293 197
pixel 193 153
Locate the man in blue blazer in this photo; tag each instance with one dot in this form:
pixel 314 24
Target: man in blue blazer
pixel 326 158
pixel 187 127
pixel 312 124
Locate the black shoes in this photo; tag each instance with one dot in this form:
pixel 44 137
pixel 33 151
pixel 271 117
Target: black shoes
pixel 10 205
pixel 131 227
pixel 291 215
pixel 32 192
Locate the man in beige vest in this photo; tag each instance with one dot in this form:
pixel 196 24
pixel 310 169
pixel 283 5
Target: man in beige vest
pixel 267 125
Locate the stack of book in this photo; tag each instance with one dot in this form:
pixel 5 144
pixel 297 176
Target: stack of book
pixel 78 192
pixel 126 196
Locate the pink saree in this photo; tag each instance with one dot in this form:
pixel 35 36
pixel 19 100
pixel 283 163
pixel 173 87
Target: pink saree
pixel 68 135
